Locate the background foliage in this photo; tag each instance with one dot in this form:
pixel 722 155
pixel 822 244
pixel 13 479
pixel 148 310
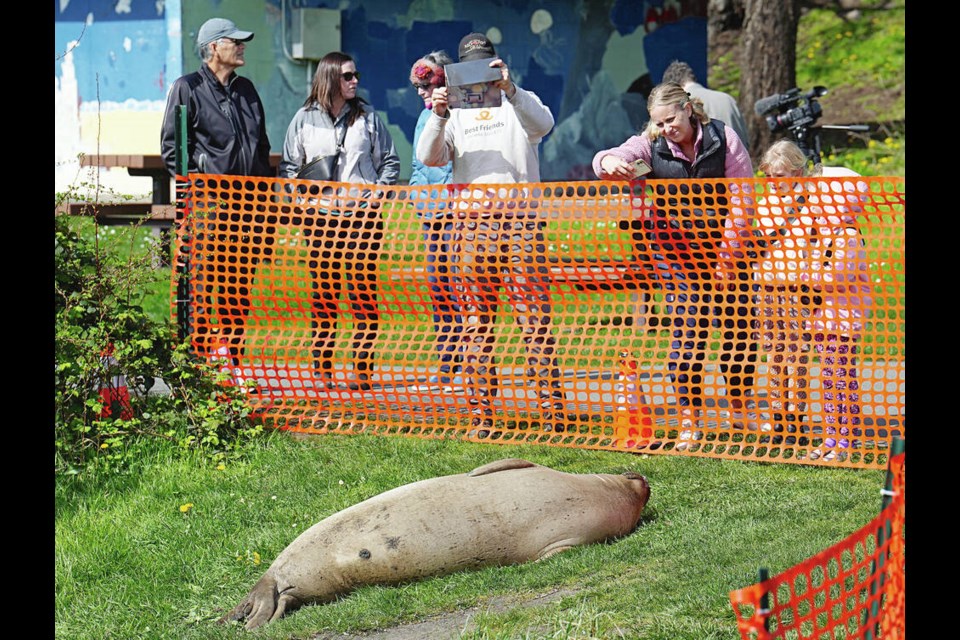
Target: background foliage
pixel 105 281
pixel 859 55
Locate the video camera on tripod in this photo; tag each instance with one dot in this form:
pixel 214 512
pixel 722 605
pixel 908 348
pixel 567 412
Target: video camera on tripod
pixel 785 111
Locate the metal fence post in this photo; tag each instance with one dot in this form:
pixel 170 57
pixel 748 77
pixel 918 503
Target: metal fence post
pixel 183 264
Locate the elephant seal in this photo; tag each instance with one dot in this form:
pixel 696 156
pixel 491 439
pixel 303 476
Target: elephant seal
pixel 505 512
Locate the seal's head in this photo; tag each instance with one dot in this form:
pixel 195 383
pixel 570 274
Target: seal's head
pixel 640 486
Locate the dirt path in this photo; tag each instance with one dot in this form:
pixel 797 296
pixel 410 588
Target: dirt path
pixel 448 626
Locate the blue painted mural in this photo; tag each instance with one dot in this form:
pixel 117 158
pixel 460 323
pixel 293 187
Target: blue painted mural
pixel 592 63
pixel 121 51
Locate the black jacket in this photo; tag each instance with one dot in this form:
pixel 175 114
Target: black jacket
pixel 684 227
pixel 226 126
pixel 711 163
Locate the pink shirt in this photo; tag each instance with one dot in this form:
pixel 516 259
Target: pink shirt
pixel 817 244
pixel 737 162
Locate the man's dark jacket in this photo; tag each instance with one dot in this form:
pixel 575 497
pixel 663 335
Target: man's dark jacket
pixel 226 126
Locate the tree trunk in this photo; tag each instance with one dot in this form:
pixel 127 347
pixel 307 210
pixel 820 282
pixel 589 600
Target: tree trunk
pixel 770 55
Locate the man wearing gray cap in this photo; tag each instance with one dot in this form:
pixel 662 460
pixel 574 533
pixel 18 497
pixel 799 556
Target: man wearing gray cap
pixel 226 134
pixel 226 125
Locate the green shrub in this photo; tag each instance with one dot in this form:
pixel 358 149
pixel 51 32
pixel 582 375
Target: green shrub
pixel 104 336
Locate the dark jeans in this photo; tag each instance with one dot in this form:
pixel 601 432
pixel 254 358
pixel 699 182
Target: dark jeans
pixel 696 306
pixel 447 319
pixel 688 347
pixel 740 348
pixel 344 251
pixel 677 241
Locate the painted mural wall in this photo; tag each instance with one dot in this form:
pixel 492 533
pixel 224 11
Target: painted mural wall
pixel 591 61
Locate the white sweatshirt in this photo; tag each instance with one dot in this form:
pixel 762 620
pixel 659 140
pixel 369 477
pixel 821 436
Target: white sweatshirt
pixel 495 145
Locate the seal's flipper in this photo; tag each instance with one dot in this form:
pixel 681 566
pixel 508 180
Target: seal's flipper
pixel 500 465
pixel 285 603
pixel 554 549
pixel 259 607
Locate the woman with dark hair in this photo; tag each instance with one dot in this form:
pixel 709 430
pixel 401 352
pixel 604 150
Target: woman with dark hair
pixel 345 243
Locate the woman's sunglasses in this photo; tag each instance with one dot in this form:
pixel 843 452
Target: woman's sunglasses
pixel 350 75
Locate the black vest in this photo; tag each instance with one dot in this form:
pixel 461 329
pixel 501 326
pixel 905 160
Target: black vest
pixel 711 163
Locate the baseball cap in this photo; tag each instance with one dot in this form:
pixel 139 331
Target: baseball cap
pixel 216 28
pixel 476 46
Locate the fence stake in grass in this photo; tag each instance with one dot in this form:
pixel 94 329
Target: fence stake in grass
pixel 762 575
pixel 877 570
pixel 633 414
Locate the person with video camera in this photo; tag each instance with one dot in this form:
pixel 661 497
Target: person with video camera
pixel 681 141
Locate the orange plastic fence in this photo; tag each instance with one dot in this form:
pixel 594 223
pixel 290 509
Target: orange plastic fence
pixel 748 319
pixel 854 589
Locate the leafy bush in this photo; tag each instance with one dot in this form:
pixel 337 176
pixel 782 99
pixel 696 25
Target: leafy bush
pixel 109 349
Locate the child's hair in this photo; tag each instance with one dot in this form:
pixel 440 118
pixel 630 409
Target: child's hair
pixel 786 157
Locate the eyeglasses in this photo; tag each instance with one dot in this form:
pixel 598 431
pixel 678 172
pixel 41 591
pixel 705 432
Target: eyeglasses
pixel 234 41
pixel 350 75
pixel 422 86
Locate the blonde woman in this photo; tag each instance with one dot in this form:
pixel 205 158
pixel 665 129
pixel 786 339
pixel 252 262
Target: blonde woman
pixel 681 141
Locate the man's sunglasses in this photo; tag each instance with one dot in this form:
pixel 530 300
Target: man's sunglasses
pixel 350 75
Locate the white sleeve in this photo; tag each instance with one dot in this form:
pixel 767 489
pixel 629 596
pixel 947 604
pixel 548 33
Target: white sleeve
pixel 534 116
pixel 433 149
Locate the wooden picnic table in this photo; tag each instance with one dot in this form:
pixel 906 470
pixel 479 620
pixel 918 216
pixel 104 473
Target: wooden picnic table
pixel 160 211
pixel 138 164
pixel 146 164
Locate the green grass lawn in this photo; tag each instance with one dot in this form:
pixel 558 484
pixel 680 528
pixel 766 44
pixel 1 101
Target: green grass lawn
pixel 166 552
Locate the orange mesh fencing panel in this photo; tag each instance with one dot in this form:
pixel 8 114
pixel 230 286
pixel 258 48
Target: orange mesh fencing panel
pixel 748 319
pixel 854 589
